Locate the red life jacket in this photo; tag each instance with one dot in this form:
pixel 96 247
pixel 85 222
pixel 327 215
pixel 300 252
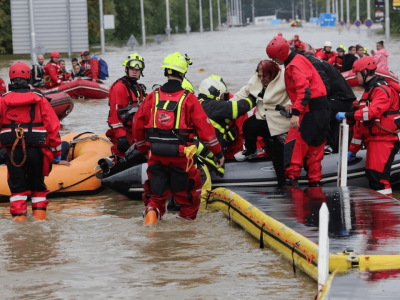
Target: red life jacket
pixel 22 110
pixel 167 131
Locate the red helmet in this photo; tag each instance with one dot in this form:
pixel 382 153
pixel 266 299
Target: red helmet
pixel 279 34
pixel 296 36
pixel 320 55
pixel 364 63
pixel 54 54
pixel 278 47
pixel 82 53
pixel 20 70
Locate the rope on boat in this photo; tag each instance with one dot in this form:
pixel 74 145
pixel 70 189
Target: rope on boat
pixel 93 137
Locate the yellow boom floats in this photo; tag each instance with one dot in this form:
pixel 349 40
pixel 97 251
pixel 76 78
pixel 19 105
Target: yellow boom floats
pixel 302 252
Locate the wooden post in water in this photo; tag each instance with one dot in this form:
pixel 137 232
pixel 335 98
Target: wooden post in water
pixel 323 248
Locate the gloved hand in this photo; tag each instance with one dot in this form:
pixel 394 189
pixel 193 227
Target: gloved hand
pixel 340 116
pixel 351 156
pixel 123 144
pixel 57 159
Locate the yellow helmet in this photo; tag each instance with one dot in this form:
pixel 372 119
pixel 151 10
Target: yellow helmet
pixel 177 62
pixel 134 61
pixel 187 85
pixel 343 47
pixel 366 51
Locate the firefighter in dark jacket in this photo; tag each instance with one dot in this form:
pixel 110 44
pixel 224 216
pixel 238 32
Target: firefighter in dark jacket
pixel 340 96
pixel 310 120
pixel 164 128
pixel 125 96
pixel 29 131
pixel 377 125
pixel 214 99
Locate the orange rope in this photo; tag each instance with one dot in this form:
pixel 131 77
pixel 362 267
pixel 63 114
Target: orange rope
pixel 308 258
pixel 20 135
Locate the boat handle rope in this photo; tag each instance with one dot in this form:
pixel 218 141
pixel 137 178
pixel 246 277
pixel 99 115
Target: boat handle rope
pixel 229 210
pixel 309 258
pixel 94 137
pixel 294 266
pixel 20 136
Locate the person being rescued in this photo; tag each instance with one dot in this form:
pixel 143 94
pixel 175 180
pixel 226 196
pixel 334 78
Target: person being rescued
pixel 377 124
pixel 67 76
pixel 29 131
pixel 214 98
pixel 78 72
pixel 53 75
pixel 164 129
pixel 269 85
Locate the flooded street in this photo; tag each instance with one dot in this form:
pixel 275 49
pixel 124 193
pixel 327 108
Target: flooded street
pixel 96 247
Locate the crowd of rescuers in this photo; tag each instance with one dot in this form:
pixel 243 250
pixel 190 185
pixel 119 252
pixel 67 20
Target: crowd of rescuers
pixel 340 59
pixel 294 102
pixel 54 72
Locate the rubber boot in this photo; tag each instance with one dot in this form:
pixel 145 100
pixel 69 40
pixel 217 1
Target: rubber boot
pixel 172 205
pixel 39 213
pixel 150 218
pixel 19 219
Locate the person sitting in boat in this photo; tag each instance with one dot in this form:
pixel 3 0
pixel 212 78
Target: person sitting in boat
pixel 298 45
pixel 37 73
pixel 3 88
pixel 377 125
pixel 325 53
pixel 349 59
pixel 340 96
pixel 78 72
pixel 92 67
pixel 125 96
pixel 83 60
pixel 29 153
pixel 74 62
pixel 269 86
pixel 337 60
pixel 53 74
pixel 310 120
pixel 381 56
pixel 67 76
pixel 214 98
pixel 359 51
pixel 164 128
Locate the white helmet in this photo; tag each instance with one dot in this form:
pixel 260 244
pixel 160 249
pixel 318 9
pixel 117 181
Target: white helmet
pixel 328 44
pixel 213 88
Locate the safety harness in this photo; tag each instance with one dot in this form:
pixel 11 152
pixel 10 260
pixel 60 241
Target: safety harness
pixel 167 141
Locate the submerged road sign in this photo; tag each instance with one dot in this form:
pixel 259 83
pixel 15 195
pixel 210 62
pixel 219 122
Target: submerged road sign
pixel 132 41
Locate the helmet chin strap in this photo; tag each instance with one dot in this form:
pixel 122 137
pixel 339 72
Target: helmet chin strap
pixel 365 74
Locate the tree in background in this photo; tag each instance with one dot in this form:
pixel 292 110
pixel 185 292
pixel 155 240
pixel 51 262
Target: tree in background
pixel 94 17
pixel 5 27
pixel 129 18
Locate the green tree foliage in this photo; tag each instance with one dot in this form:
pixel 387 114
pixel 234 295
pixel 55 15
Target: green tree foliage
pixel 94 17
pixel 5 27
pixel 129 18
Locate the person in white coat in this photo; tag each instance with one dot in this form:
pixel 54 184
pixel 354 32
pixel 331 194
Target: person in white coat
pixel 268 86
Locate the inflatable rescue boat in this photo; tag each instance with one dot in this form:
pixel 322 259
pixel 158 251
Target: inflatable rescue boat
pixel 351 78
pixel 80 177
pixel 82 89
pixel 253 173
pixel 61 103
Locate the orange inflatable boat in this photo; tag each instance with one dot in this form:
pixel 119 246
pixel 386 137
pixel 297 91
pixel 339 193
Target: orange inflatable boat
pixel 80 177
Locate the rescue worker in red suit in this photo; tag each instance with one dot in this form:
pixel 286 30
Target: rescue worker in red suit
pixel 164 127
pixel 29 132
pixel 377 124
pixel 325 53
pixel 53 75
pixel 298 45
pixel 3 87
pixel 337 60
pixel 125 96
pixel 92 66
pixel 310 120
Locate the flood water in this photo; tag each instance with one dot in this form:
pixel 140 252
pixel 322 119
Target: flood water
pixel 96 247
